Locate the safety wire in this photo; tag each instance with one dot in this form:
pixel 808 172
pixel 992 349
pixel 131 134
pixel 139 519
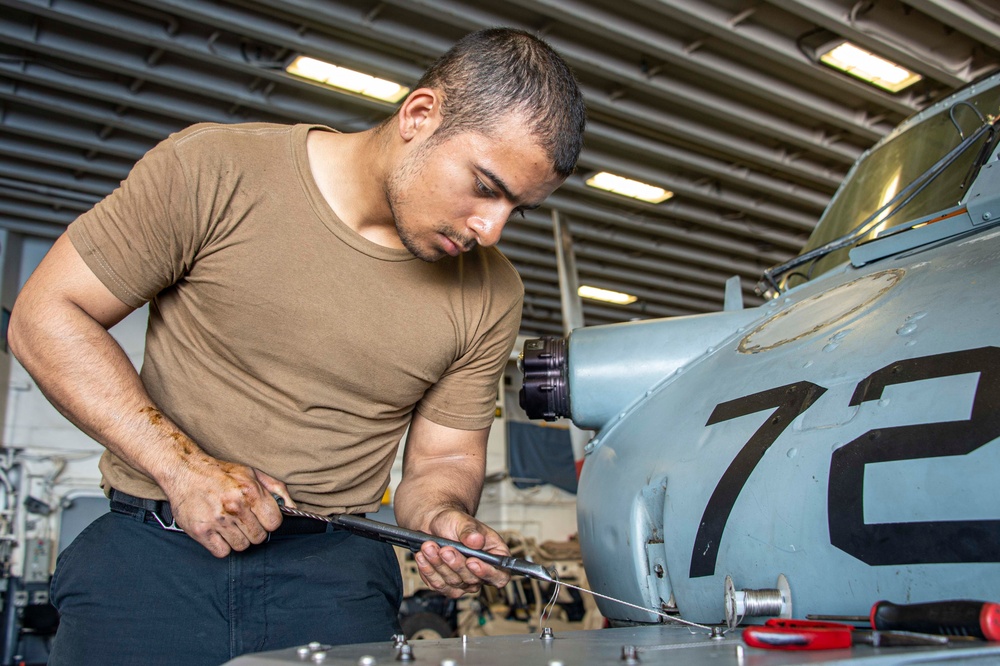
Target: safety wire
pixel 549 607
pixel 544 615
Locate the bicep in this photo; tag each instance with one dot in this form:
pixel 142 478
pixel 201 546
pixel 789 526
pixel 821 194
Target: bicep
pixel 63 280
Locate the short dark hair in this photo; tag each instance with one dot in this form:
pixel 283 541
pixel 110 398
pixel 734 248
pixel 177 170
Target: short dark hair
pixel 496 71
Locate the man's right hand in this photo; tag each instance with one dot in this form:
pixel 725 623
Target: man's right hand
pixel 225 506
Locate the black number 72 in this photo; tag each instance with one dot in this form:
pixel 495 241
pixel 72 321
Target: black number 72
pixel 881 543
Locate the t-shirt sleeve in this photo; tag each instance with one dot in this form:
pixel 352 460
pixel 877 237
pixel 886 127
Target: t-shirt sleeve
pixel 465 396
pixel 142 237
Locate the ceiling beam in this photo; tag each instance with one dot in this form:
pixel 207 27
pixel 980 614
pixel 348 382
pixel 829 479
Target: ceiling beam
pixel 882 38
pixel 963 18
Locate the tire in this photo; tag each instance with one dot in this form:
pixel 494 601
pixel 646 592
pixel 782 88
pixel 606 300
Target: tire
pixel 426 626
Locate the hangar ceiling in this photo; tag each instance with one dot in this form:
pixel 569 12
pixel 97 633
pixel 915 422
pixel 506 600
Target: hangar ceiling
pixel 719 101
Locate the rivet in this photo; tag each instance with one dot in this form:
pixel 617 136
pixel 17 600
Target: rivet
pixel 630 655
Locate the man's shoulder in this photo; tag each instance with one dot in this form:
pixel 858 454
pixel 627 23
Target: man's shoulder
pixel 221 134
pixel 496 271
pixel 223 138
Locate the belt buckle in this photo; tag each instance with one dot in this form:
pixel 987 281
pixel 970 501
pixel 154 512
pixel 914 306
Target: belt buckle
pixel 172 527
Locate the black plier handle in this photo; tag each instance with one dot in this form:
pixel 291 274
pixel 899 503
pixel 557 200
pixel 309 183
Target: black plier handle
pixel 412 540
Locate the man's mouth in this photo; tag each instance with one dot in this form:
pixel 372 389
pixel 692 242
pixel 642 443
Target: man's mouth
pixel 453 247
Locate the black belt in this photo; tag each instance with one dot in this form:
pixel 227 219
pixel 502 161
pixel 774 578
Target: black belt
pixel 157 512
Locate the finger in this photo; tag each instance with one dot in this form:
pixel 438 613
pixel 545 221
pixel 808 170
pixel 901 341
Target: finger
pixel 458 563
pixel 274 487
pixel 237 539
pixel 496 545
pixel 218 543
pixel 443 570
pixel 226 532
pixel 447 563
pixel 242 515
pixel 253 530
pixel 472 537
pixel 428 573
pixel 437 582
pixel 264 508
pixel 491 575
pixel 244 519
pixel 215 544
pixel 489 541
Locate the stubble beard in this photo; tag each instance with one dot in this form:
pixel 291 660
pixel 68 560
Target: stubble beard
pixel 394 188
pixel 407 238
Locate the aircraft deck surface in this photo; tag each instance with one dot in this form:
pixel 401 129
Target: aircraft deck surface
pixel 675 645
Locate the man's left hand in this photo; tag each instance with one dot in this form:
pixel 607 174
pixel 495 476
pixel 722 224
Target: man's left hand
pixel 446 570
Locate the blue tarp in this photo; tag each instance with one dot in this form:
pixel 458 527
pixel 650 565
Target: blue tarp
pixel 539 454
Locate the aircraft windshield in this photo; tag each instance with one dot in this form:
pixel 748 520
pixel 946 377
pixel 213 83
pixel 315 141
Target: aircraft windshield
pixel 894 165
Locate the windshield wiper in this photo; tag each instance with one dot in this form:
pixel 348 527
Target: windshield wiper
pixel 769 280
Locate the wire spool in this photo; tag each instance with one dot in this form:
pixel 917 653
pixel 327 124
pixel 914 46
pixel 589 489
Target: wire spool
pixel 775 602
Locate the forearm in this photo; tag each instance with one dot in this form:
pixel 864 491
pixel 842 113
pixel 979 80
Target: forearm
pixel 434 485
pixel 443 473
pixel 87 376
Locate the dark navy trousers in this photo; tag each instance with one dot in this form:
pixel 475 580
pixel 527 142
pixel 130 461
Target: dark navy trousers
pixel 130 593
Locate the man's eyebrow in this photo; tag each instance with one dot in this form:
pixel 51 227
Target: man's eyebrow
pixel 502 186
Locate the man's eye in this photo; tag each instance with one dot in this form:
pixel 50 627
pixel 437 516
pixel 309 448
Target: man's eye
pixel 483 188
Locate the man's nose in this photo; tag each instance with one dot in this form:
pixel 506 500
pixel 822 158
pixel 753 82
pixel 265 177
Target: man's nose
pixel 488 225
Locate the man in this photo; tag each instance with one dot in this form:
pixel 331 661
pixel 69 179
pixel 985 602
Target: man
pixel 312 295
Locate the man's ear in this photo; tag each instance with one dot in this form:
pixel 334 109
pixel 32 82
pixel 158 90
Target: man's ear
pixel 420 113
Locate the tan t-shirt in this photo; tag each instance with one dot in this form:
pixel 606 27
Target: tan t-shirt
pixel 280 338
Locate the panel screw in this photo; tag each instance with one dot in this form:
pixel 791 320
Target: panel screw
pixel 987 215
pixel 630 655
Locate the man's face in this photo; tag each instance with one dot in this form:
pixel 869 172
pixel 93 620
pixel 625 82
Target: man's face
pixel 448 195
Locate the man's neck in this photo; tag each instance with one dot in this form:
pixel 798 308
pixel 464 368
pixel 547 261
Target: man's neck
pixel 350 171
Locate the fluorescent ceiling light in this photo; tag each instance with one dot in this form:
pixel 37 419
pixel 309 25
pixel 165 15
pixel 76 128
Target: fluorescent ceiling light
pixel 346 79
pixel 869 67
pixel 606 295
pixel 628 187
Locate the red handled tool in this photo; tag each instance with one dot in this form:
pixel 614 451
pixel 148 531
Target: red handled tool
pixel 779 634
pixel 980 619
pixel 954 618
